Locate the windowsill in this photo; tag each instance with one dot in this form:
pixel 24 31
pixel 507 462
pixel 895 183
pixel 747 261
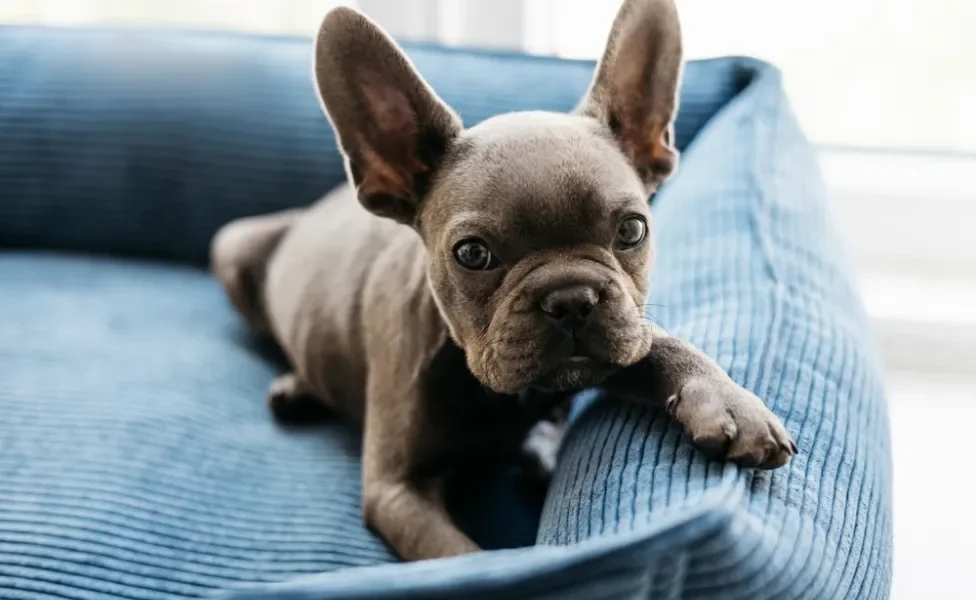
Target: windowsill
pixel 907 220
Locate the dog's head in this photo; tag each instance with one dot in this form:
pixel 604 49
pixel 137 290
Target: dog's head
pixel 536 224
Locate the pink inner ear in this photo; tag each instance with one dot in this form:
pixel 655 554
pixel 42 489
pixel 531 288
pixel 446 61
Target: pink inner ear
pixel 390 110
pixel 388 146
pixel 643 134
pixel 379 176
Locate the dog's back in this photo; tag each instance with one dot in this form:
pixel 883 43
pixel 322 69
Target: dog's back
pixel 239 254
pixel 301 275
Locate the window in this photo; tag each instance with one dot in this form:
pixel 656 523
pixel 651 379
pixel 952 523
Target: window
pixel 892 74
pixel 882 74
pixel 885 88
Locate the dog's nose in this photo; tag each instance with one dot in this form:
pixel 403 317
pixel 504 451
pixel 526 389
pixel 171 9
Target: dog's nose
pixel 570 306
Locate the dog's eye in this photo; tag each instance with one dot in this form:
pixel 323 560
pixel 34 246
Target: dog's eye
pixel 474 255
pixel 631 231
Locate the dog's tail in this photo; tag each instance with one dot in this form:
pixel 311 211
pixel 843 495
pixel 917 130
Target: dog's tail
pixel 239 256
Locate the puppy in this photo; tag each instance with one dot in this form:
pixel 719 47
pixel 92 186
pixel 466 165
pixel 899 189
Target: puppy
pixel 470 280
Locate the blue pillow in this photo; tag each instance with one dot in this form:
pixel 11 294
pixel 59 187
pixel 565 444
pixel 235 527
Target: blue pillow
pixel 203 128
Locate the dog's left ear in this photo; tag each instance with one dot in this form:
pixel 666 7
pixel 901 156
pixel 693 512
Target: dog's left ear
pixel 392 127
pixel 635 89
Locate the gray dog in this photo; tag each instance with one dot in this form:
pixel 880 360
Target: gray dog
pixel 493 271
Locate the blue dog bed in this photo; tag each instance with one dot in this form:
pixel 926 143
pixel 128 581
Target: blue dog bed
pixel 138 460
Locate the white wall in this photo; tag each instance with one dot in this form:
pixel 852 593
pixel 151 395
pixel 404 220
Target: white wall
pixel 880 75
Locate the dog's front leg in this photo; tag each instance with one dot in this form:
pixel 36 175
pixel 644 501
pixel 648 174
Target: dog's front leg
pixel 411 518
pixel 406 510
pixel 723 419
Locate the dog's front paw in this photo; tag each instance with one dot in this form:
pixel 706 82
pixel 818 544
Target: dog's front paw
pixel 728 422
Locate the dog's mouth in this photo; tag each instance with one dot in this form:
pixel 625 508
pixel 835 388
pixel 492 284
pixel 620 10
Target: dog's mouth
pixel 574 373
pixel 525 351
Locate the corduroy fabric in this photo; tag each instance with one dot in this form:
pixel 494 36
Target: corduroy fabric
pixel 137 459
pixel 750 271
pixel 143 143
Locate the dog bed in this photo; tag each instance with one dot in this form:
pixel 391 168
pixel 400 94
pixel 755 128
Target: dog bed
pixel 138 460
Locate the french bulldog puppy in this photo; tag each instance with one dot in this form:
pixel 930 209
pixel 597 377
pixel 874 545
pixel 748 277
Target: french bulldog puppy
pixel 470 280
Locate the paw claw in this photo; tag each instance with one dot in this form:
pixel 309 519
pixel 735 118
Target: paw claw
pixel 671 405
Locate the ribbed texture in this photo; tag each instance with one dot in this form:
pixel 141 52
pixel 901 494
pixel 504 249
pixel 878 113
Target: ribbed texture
pixel 137 458
pixel 750 271
pixel 204 128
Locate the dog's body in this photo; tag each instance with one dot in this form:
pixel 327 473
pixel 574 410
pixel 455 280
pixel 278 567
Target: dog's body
pixel 340 315
pixel 511 271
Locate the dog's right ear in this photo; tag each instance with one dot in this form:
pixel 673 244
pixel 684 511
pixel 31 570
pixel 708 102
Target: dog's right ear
pixel 391 126
pixel 635 90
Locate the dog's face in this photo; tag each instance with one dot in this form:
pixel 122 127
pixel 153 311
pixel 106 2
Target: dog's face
pixel 536 224
pixel 537 230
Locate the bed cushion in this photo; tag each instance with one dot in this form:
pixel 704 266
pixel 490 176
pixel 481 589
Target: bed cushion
pixel 137 457
pixel 143 143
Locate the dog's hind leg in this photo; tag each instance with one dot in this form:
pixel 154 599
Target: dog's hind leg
pixel 239 255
